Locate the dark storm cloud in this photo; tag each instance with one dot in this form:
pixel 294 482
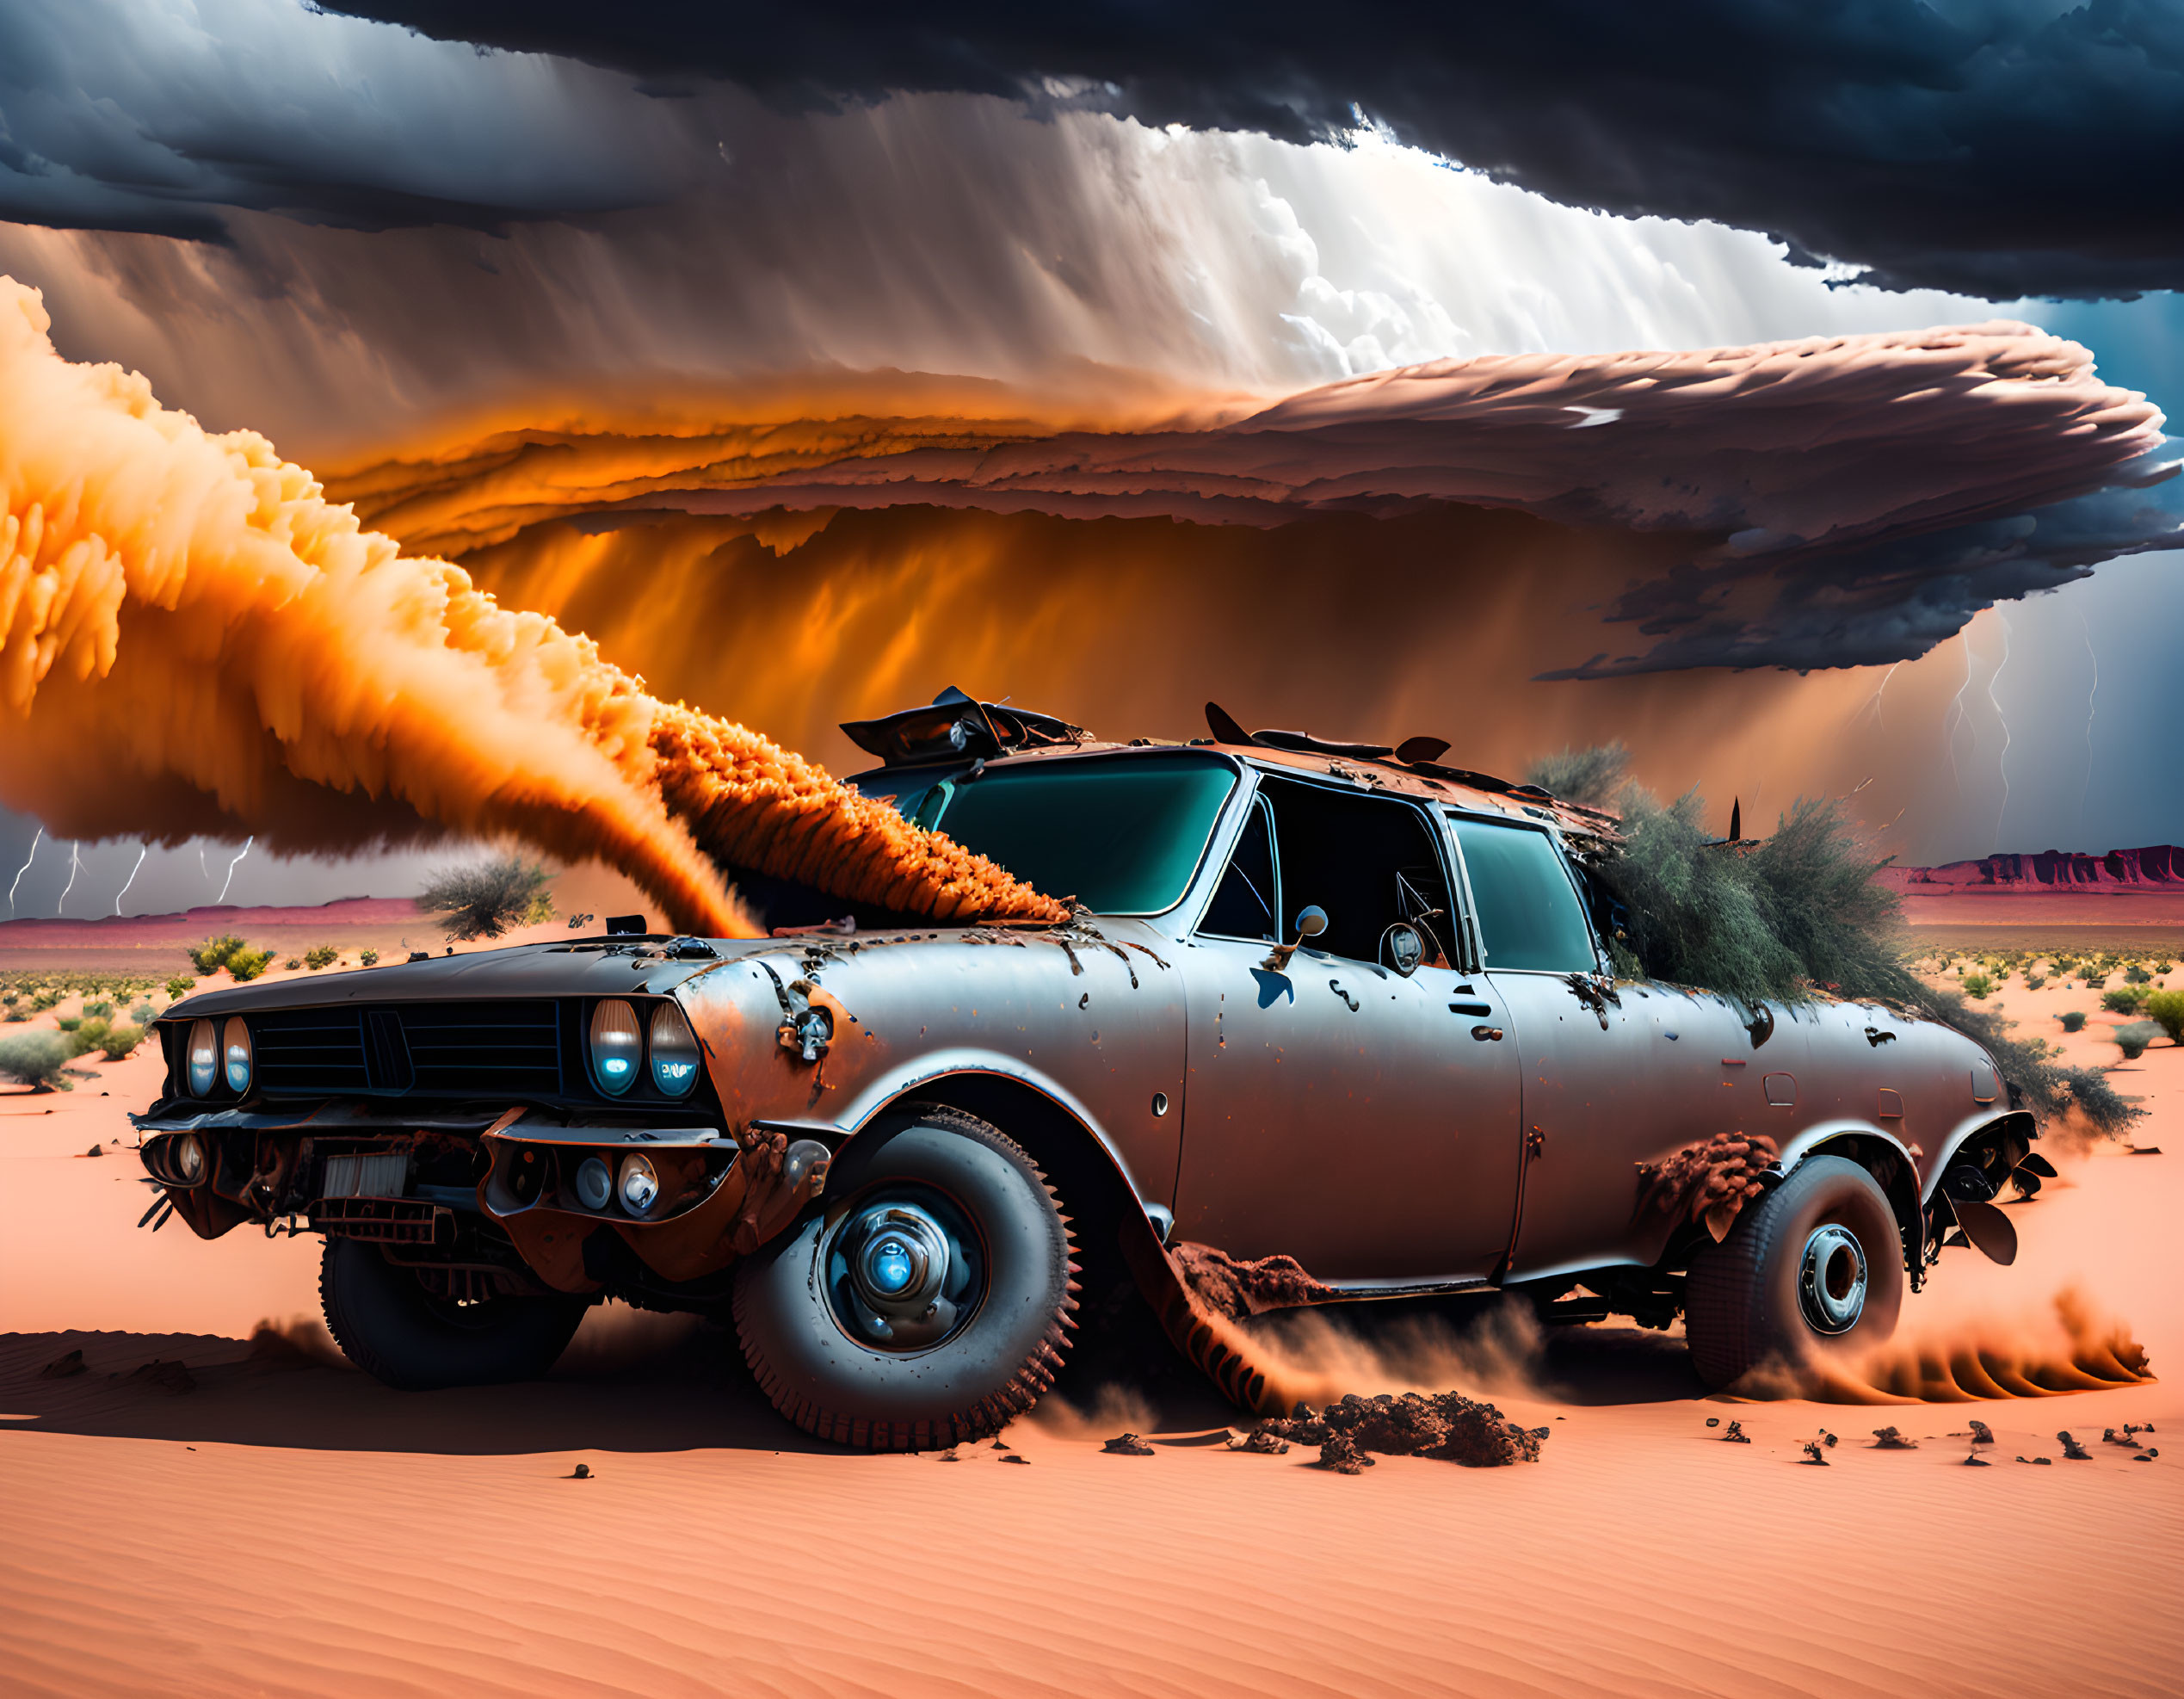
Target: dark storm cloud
pixel 116 116
pixel 1991 147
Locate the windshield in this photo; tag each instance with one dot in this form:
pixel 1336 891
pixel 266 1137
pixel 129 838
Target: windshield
pixel 1122 835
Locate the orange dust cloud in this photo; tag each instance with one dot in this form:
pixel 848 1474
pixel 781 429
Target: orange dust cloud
pixel 193 640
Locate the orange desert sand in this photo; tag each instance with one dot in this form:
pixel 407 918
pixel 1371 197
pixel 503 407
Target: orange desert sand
pixel 291 1526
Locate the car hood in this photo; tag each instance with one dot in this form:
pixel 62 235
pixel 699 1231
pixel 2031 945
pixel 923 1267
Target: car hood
pixel 587 967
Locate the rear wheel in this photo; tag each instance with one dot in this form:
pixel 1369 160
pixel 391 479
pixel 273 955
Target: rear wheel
pixel 1811 1274
pixel 927 1304
pixel 390 1327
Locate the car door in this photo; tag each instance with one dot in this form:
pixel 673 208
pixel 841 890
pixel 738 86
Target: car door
pixel 1335 1110
pixel 1609 1082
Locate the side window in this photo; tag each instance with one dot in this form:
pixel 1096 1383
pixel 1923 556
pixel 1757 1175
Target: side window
pixel 1368 861
pixel 1529 915
pixel 1243 905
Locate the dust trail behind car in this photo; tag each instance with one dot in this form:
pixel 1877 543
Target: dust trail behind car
pixel 193 640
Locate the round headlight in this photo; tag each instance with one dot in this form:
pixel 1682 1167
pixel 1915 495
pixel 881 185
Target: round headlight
pixel 640 1183
pixel 674 1052
pixel 203 1063
pixel 188 1157
pixel 616 1044
pixel 594 1183
pixel 235 1055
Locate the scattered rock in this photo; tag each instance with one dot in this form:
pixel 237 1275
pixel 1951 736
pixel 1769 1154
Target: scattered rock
pixel 582 1472
pixel 2072 1450
pixel 166 1377
pixel 2024 1459
pixel 1128 1445
pixel 999 1443
pixel 1828 1440
pixel 1341 1454
pixel 1260 1440
pixel 1713 1421
pixel 1734 1435
pixel 955 1455
pixel 1982 1434
pixel 1815 1453
pixel 96 1150
pixel 1893 1439
pixel 1016 1457
pixel 1973 1459
pixel 67 1363
pixel 1447 1427
pixel 2110 1437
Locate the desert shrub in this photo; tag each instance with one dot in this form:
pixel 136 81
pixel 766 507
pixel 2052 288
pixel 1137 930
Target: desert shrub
pixel 10 999
pixel 1799 913
pixel 293 964
pixel 143 1014
pixel 2035 981
pixel 2124 1000
pixel 2093 981
pixel 1592 777
pixel 247 964
pixel 212 955
pixel 324 956
pixel 101 1010
pixel 2165 1009
pixel 35 1059
pixel 119 1041
pixel 46 998
pixel 2073 1020
pixel 368 958
pixel 2137 975
pixel 179 988
pixel 1977 985
pixel 2133 1039
pixel 2164 967
pixel 69 1022
pixel 485 901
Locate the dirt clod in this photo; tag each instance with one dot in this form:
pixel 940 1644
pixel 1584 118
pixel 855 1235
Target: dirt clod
pixel 1815 1452
pixel 2072 1450
pixel 1260 1440
pixel 1893 1439
pixel 161 1376
pixel 1016 1457
pixel 1447 1427
pixel 1982 1434
pixel 1734 1435
pixel 1128 1445
pixel 1342 1454
pixel 582 1472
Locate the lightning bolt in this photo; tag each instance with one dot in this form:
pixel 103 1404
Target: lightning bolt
pixel 232 865
pixel 36 838
pixel 143 850
pixel 1955 716
pixel 1873 702
pixel 2001 762
pixel 2091 698
pixel 75 865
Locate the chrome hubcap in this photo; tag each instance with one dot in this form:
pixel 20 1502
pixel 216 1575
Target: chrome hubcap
pixel 902 1276
pixel 1831 1279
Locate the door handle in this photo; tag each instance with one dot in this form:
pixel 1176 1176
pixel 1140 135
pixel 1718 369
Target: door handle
pixel 1470 1008
pixel 1486 1035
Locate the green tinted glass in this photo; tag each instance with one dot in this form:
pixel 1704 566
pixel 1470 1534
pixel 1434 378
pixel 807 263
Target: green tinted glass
pixel 1529 913
pixel 1122 835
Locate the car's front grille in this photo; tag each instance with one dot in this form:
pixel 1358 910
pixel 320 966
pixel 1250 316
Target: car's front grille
pixel 446 1050
pixel 484 1049
pixel 309 1050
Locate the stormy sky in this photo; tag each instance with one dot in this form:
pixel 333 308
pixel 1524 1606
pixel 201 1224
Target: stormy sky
pixel 373 243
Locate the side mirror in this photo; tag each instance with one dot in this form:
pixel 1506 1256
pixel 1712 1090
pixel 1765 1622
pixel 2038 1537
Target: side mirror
pixel 1310 922
pixel 1402 947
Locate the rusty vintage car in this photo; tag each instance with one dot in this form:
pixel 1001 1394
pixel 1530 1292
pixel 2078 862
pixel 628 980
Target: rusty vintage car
pixel 1334 1020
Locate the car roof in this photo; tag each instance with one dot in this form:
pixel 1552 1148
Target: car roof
pixel 1424 781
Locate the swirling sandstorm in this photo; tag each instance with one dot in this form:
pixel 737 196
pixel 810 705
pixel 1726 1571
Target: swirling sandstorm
pixel 193 640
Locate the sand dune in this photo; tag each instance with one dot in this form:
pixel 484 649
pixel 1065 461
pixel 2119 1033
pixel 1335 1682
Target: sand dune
pixel 290 1527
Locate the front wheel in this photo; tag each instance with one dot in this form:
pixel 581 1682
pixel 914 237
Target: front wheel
pixel 927 1304
pixel 390 1327
pixel 1811 1274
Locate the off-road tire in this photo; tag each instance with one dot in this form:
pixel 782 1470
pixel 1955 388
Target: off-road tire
pixel 390 1327
pixel 974 1382
pixel 1740 1304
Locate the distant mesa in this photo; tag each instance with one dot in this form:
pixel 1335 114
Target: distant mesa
pixel 2158 867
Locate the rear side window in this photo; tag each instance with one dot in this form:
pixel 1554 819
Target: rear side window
pixel 1529 917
